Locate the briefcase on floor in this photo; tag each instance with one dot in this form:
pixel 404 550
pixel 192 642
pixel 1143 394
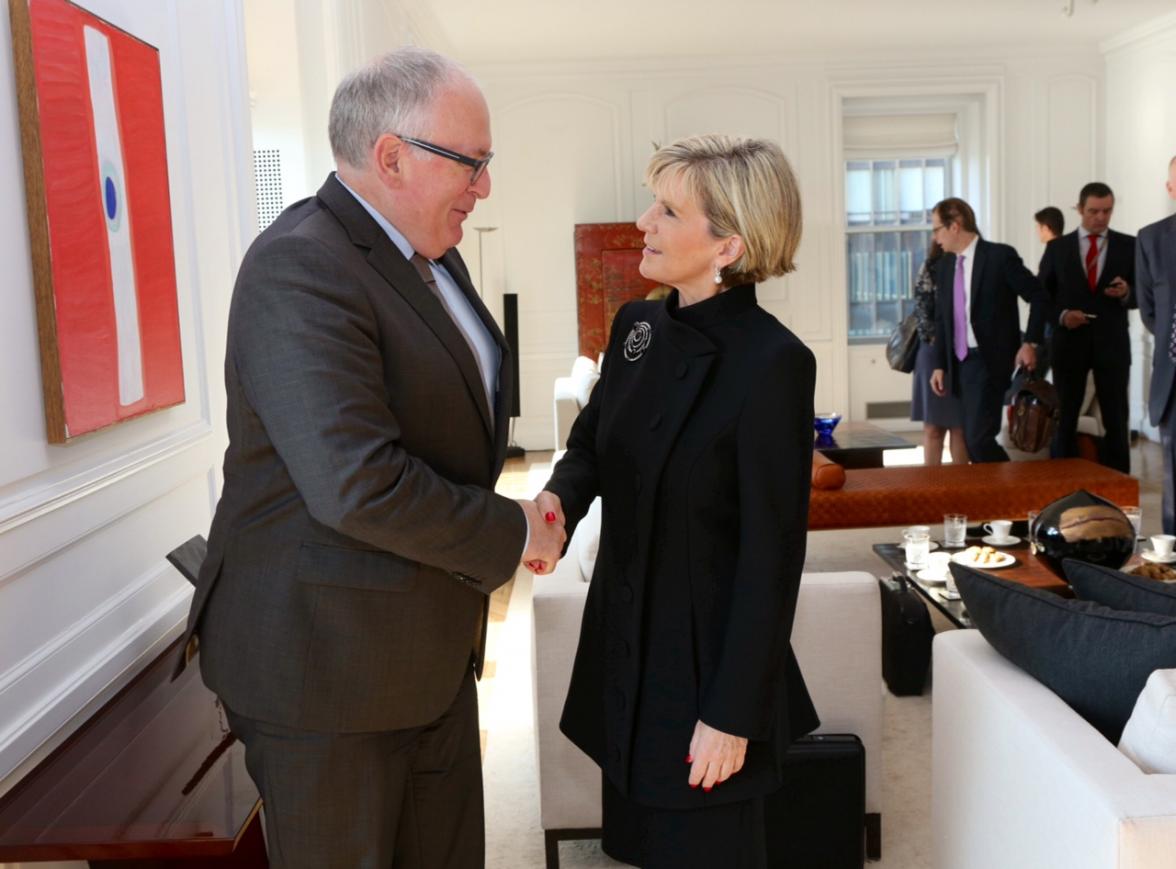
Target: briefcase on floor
pixel 906 637
pixel 817 820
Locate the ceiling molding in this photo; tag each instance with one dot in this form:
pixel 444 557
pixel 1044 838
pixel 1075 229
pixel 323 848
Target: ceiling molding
pixel 1154 30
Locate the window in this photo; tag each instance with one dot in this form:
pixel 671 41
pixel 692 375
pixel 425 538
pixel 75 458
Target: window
pixel 888 230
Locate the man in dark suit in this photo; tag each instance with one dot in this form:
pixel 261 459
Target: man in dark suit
pixel 1087 275
pixel 1155 276
pixel 341 610
pixel 978 323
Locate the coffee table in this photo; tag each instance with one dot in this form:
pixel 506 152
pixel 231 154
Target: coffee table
pixel 1030 570
pixel 859 445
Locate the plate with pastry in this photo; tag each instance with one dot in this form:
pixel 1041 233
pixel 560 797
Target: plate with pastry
pixel 983 557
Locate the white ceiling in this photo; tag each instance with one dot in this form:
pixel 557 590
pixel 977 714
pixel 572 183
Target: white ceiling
pixel 545 30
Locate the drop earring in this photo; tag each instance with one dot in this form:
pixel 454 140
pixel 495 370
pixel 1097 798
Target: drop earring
pixel 718 275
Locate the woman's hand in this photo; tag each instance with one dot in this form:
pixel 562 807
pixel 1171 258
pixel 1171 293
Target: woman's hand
pixel 714 756
pixel 550 506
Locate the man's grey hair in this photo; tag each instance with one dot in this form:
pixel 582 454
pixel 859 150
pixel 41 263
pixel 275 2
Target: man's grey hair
pixel 391 94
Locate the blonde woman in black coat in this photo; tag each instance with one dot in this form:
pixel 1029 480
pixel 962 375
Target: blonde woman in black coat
pixel 699 439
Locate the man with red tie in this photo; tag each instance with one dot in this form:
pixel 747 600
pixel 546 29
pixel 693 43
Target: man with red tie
pixel 1088 275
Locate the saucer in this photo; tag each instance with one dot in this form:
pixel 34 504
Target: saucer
pixel 928 575
pixel 949 595
pixel 1001 541
pixel 931 546
pixel 1151 555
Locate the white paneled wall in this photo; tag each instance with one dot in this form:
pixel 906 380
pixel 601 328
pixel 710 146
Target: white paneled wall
pixel 85 593
pixel 1140 140
pixel 573 139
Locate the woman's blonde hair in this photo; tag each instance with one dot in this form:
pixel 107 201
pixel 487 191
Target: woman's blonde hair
pixel 745 187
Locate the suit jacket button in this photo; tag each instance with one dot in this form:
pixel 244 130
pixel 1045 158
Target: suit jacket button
pixel 681 369
pixel 655 422
pixel 627 593
pixel 617 755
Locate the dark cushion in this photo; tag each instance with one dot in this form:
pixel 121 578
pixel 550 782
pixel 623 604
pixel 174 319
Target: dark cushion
pixel 1120 590
pixel 1095 658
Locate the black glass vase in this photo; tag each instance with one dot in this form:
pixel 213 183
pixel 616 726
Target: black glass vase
pixel 1086 527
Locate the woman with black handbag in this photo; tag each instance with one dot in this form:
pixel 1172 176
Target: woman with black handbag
pixel 939 414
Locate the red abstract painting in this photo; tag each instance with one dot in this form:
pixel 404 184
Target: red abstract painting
pixel 91 102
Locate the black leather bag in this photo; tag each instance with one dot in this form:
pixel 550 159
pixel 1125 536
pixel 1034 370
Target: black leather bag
pixel 906 637
pixel 903 346
pixel 817 820
pixel 1034 416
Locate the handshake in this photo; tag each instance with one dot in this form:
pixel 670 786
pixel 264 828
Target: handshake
pixel 545 524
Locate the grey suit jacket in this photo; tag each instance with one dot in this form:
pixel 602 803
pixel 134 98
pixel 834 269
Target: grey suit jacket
pixel 357 536
pixel 1155 287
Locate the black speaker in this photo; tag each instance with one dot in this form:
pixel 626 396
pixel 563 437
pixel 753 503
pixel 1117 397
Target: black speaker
pixel 510 329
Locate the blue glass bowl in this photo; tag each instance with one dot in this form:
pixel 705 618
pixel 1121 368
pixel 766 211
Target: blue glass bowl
pixel 824 423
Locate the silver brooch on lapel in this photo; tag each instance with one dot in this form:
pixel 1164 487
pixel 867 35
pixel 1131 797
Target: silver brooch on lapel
pixel 638 341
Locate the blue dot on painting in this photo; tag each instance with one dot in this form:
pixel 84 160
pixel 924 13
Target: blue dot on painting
pixel 111 198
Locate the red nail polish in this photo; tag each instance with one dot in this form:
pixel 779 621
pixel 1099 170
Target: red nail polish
pixel 706 790
pixel 694 786
pixel 549 516
pixel 690 758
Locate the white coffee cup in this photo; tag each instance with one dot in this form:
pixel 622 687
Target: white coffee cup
pixel 1162 544
pixel 999 528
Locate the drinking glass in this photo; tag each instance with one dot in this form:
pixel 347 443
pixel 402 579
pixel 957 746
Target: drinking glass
pixel 955 528
pixel 917 540
pixel 1032 515
pixel 1136 517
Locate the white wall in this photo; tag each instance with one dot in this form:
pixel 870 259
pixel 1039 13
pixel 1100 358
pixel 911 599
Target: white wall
pixel 85 592
pixel 298 51
pixel 1140 140
pixel 572 142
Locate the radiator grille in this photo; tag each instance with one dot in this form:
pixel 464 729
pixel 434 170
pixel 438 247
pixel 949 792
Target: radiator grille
pixel 267 174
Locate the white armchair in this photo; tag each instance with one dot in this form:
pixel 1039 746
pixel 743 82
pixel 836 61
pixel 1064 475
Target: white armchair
pixel 571 394
pixel 837 637
pixel 1020 781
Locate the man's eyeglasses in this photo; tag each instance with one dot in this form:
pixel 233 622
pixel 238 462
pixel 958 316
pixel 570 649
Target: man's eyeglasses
pixel 935 229
pixel 477 164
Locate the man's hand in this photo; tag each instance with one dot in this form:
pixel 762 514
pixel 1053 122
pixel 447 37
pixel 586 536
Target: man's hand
pixel 1117 289
pixel 937 382
pixel 714 756
pixel 546 540
pixel 1074 319
pixel 1026 357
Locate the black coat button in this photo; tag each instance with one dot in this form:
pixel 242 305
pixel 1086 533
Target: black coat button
pixel 617 755
pixel 681 369
pixel 621 648
pixel 655 422
pixel 627 593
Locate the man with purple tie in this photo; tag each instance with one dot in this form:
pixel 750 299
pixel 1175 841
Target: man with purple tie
pixel 1155 276
pixel 978 323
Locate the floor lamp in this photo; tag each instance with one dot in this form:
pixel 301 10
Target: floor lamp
pixel 510 326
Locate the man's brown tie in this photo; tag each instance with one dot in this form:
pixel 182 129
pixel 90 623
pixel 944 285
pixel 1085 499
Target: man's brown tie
pixel 423 269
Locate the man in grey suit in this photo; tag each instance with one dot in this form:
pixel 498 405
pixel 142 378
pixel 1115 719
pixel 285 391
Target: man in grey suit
pixel 1155 278
pixel 341 611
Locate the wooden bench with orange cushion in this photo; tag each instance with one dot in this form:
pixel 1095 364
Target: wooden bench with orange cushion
pixel 878 497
